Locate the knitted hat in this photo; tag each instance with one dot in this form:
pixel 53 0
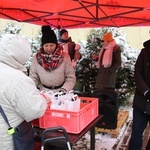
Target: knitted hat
pixel 62 31
pixel 108 37
pixel 146 44
pixel 48 35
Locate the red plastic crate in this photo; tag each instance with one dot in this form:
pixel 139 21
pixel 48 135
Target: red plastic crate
pixel 73 122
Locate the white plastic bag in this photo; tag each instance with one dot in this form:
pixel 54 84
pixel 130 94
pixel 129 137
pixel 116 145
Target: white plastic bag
pixel 74 104
pixel 64 101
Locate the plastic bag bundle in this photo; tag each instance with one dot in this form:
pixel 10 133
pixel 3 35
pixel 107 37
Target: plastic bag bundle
pixel 64 101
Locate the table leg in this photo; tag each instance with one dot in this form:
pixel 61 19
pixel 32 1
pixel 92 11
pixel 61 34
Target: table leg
pixel 92 143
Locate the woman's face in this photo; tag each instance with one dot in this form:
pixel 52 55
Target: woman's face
pixel 49 48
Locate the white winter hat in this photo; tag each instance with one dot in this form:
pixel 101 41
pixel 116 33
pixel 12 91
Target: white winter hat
pixel 16 47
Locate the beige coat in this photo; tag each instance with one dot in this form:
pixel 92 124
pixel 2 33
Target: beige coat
pixel 54 78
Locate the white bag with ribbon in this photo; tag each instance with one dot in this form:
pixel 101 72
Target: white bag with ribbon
pixel 64 101
pixel 74 104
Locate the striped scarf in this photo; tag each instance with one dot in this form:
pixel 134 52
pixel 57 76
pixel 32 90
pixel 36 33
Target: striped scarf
pixel 50 62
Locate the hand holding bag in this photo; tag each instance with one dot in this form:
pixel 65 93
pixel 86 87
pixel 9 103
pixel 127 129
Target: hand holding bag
pixel 23 135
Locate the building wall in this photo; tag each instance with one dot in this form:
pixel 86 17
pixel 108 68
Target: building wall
pixel 135 35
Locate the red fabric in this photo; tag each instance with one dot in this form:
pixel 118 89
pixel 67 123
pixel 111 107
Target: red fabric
pixel 78 14
pixel 37 146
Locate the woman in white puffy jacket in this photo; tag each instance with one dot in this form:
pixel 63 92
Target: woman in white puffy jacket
pixel 19 97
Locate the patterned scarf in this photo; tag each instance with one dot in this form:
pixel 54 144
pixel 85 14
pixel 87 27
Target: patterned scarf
pixel 50 62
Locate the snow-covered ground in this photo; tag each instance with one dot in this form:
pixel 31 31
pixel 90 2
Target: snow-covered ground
pixel 103 141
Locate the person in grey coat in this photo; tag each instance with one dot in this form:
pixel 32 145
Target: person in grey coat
pixel 141 101
pixel 51 68
pixel 109 60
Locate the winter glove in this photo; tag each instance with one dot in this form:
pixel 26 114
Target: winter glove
pixel 148 94
pixel 62 90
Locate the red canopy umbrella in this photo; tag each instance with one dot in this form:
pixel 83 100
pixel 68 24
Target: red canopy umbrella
pixel 78 13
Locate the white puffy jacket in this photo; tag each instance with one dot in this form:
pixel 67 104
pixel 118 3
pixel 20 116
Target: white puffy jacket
pixel 19 96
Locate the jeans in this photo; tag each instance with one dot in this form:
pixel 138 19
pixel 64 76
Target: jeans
pixel 140 121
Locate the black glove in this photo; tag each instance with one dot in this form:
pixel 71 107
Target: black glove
pixel 148 94
pixel 63 91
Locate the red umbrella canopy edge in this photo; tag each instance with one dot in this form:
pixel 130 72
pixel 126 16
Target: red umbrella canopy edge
pixel 78 13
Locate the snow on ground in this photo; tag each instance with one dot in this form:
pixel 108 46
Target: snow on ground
pixel 103 141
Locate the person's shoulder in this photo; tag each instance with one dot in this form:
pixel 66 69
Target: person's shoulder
pixel 77 46
pixel 66 55
pixel 117 48
pixel 18 76
pixel 34 56
pixel 145 50
pixel 60 42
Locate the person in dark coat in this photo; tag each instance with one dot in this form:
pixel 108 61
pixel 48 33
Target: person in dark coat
pixel 141 101
pixel 109 60
pixel 70 47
